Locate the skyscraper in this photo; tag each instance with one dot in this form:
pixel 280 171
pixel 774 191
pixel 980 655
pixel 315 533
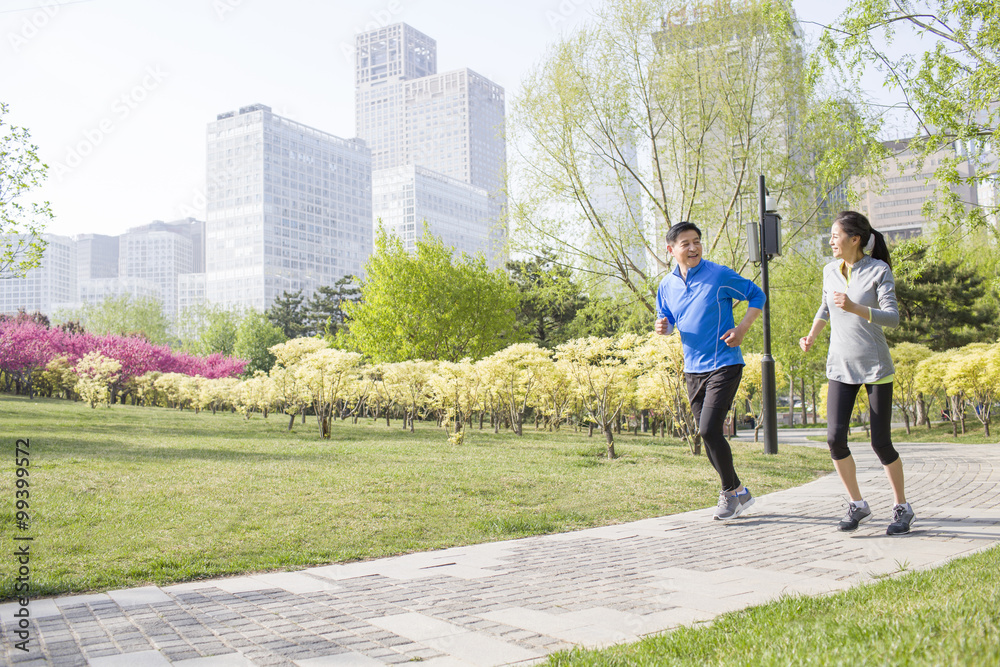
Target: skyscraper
pixel 450 123
pixel 48 287
pixel 289 207
pixel 157 254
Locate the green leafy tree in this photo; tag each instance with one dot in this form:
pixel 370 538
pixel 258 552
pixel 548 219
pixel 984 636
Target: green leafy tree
pixel 254 338
pixel 550 298
pixel 662 111
pixel 796 288
pixel 21 223
pixel 430 305
pixel 951 92
pixel 324 312
pixel 123 315
pixel 287 313
pixel 608 316
pixel 208 328
pixel 943 304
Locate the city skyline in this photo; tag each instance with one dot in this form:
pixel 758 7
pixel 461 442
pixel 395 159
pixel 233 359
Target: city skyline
pixel 117 96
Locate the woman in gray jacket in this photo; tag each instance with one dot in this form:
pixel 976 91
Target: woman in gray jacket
pixel 859 298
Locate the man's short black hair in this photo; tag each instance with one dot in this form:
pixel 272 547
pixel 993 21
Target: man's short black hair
pixel 679 228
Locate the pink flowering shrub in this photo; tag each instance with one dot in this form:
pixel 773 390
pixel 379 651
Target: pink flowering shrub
pixel 27 347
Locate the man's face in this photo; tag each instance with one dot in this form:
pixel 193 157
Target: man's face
pixel 686 249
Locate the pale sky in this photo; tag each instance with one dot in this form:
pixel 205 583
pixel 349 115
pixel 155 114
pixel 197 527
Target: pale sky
pixel 118 93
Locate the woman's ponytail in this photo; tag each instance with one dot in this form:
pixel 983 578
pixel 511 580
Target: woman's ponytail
pixel 880 250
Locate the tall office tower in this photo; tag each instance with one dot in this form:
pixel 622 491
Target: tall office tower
pixel 404 197
pixel 728 107
pixel 896 210
pixel 96 256
pixel 157 254
pixel 289 208
pixel 48 287
pixel 451 123
pixel 385 58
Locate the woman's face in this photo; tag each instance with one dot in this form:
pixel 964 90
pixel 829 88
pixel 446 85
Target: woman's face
pixel 842 244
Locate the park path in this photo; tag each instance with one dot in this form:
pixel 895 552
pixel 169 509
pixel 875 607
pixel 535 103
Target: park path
pixel 516 601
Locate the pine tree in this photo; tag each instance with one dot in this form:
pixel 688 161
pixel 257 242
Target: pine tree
pixel 943 305
pixel 287 313
pixel 324 313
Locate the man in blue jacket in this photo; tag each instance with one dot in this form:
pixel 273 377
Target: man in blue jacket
pixel 696 299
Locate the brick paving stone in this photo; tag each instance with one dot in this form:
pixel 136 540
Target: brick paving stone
pixel 563 582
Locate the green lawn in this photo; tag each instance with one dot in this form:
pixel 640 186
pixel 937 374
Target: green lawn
pixel 128 496
pixel 946 616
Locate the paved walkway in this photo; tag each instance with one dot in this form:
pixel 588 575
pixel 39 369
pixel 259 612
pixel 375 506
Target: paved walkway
pixel 517 601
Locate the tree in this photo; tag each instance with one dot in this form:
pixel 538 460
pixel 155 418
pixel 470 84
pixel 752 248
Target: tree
pixel 324 312
pixel 609 316
pixel 254 339
pixel 410 381
pixel 429 305
pixel 514 374
pixel 21 224
pixel 906 395
pixel 663 391
pixel 550 298
pixel 975 371
pixel 209 328
pixel 662 111
pixel 97 374
pixel 602 372
pixel 942 303
pixel 123 315
pixel 286 313
pixel 951 93
pixel 456 389
pixel 327 375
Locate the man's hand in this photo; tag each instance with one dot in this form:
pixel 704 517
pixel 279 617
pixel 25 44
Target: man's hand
pixel 733 337
pixel 663 326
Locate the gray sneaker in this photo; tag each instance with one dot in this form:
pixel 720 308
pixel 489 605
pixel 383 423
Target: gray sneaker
pixel 902 517
pixel 855 516
pixel 730 507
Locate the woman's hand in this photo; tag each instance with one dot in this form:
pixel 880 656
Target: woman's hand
pixel 806 342
pixel 842 301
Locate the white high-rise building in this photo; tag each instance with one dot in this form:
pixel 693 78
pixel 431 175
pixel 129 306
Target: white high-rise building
pixel 896 210
pixel 451 123
pixel 96 256
pixel 404 198
pixel 156 254
pixel 289 208
pixel 47 288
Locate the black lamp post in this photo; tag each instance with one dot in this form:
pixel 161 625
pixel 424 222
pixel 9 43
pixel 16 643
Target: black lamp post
pixel 770 242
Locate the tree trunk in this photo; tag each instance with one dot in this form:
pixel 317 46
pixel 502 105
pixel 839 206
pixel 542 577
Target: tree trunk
pixel 921 417
pixel 805 410
pixel 791 400
pixel 590 432
pixel 906 421
pixel 815 407
pixel 610 438
pixel 291 422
